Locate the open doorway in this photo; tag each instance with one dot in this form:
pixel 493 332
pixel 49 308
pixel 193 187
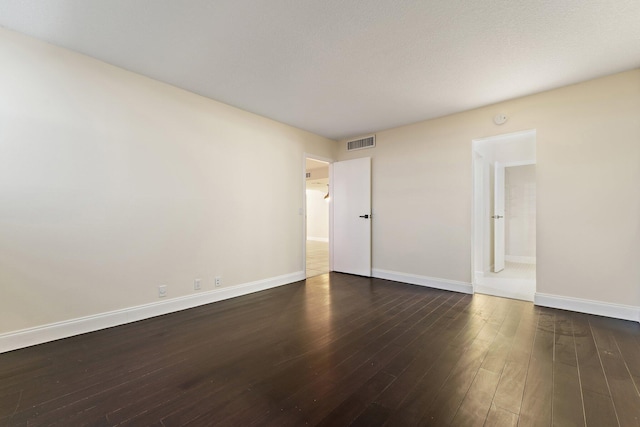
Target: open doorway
pixel 504 215
pixel 317 217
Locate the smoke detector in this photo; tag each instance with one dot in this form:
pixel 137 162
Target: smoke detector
pixel 499 118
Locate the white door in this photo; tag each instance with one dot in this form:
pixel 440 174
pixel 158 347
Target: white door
pixel 498 219
pixel 351 199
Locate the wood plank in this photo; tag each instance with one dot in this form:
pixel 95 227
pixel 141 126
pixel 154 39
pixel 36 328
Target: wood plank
pixel 357 403
pixel 567 407
pixel 591 371
pixel 501 418
pixel 373 416
pixel 334 350
pixel 625 396
pixel 301 373
pixel 444 389
pixel 444 407
pixel 356 368
pixel 599 410
pixel 407 400
pixel 538 390
pixel 510 389
pixel 475 407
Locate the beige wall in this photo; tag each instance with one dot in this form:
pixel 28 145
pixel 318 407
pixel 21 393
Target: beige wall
pixel 588 189
pixel 112 184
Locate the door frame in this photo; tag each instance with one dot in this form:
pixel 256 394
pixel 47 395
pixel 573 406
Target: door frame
pixel 479 206
pixel 499 254
pixel 306 156
pixel 499 228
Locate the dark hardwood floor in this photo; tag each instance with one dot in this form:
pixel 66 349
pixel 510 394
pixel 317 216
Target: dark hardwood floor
pixel 336 350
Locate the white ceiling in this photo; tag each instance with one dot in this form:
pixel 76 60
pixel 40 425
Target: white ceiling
pixel 346 68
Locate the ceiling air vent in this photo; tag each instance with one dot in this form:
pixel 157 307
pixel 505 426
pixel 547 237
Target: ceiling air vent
pixel 359 144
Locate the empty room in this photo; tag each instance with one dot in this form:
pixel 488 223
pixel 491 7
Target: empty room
pixel 293 213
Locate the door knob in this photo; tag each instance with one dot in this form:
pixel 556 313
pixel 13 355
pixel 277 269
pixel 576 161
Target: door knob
pixel 364 216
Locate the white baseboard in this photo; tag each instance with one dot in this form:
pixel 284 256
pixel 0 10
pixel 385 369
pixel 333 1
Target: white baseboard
pixel 520 259
pixel 618 311
pixel 431 282
pixel 55 331
pixel 319 239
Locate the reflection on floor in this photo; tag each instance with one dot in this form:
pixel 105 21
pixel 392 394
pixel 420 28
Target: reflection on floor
pixel 517 280
pixel 317 258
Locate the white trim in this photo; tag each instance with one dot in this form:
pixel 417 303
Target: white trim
pixel 331 236
pixel 319 239
pixel 431 282
pixel 519 163
pixel 504 136
pixel 67 328
pixel 600 308
pixel 520 259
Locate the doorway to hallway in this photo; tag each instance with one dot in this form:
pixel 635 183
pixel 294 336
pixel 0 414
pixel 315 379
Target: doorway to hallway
pixel 504 215
pixel 317 217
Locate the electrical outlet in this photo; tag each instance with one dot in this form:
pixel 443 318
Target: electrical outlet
pixel 218 281
pixel 162 291
pixel 197 284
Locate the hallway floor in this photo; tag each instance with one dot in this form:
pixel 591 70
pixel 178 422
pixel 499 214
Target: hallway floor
pixel 317 258
pixel 515 270
pixel 517 280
